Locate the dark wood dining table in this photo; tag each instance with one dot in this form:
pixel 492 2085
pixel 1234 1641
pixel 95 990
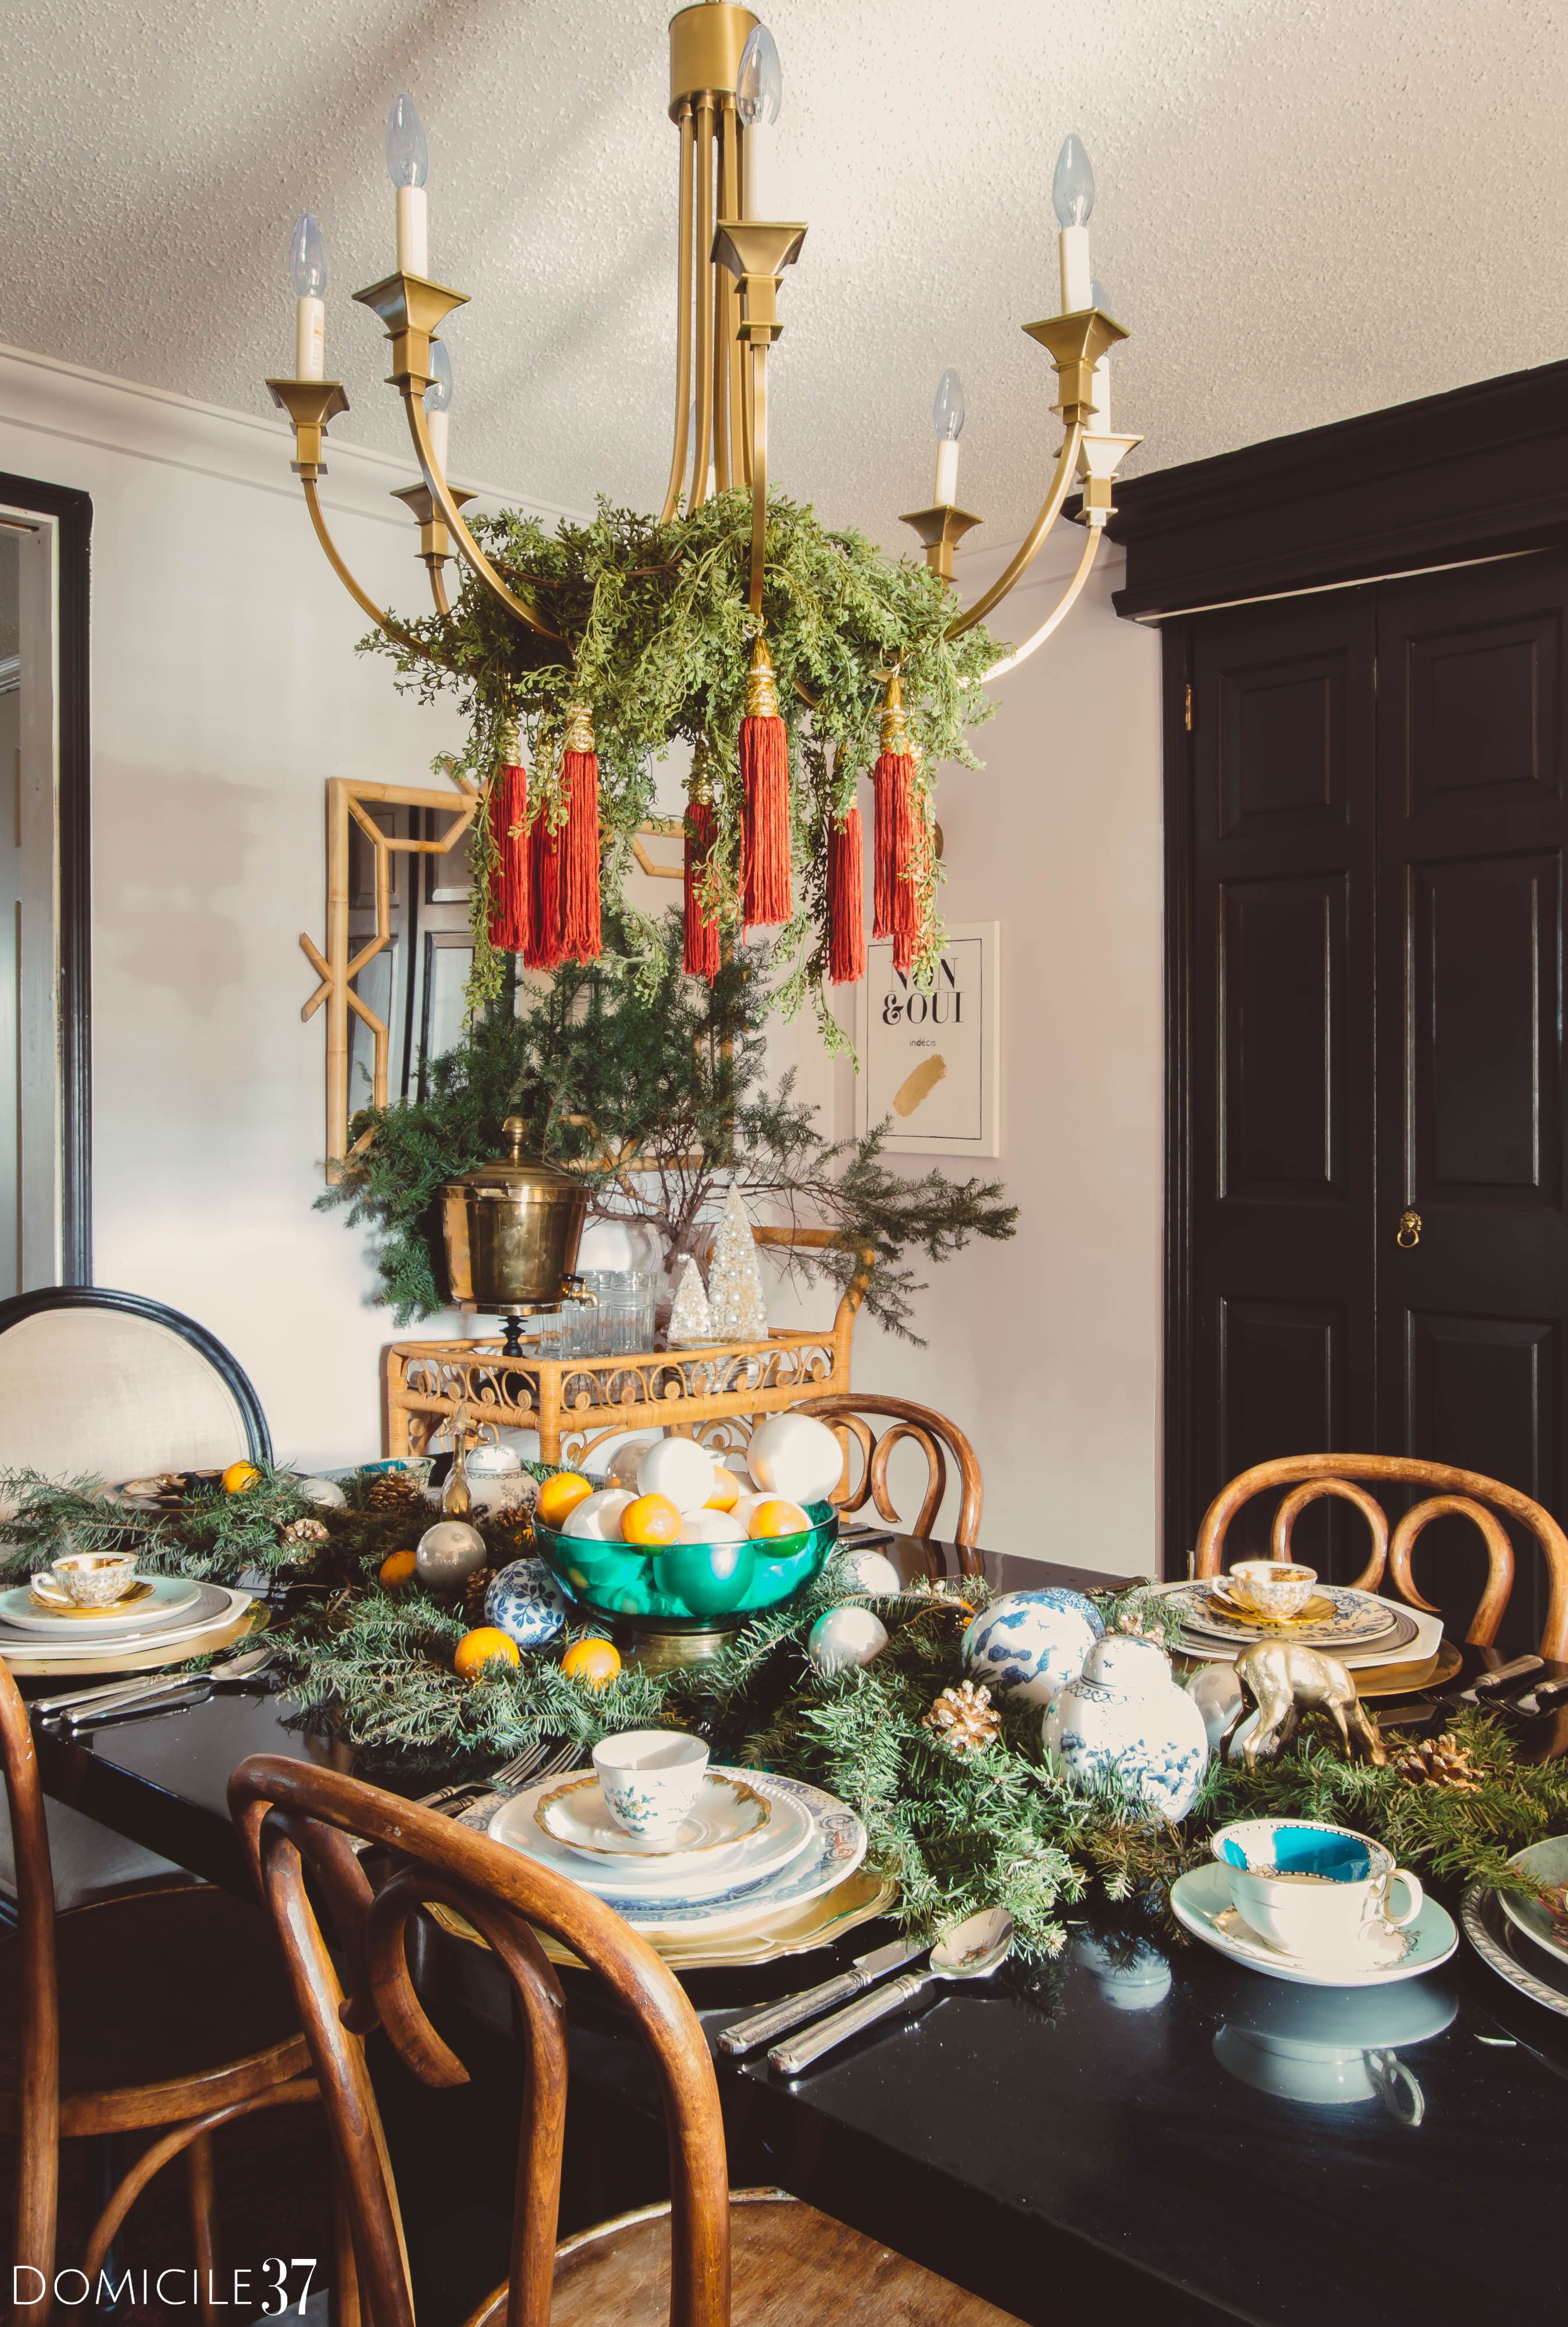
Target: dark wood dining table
pixel 1115 2131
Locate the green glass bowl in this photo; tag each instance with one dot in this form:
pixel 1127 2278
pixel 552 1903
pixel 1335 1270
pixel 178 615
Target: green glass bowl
pixel 688 1586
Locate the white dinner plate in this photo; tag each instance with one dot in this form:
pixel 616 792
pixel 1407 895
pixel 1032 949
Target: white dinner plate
pixel 728 1810
pixel 1361 1619
pixel 171 1596
pixel 1201 1902
pixel 733 1895
pixel 215 1604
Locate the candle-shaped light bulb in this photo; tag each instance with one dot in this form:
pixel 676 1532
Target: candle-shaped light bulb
pixel 307 271
pixel 1102 379
pixel 1072 190
pixel 438 400
pixel 947 421
pixel 409 166
pixel 758 99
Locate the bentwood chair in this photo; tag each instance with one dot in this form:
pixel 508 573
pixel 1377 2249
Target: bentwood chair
pixel 164 2012
pixel 114 1385
pixel 1465 1493
pixel 712 2254
pixel 933 1436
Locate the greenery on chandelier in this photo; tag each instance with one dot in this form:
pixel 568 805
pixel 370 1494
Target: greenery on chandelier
pixel 627 1060
pixel 656 637
pixel 995 1827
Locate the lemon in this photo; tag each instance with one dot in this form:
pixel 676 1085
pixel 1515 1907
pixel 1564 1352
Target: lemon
pixel 595 1663
pixel 397 1569
pixel 559 1498
pixel 480 1648
pixel 237 1477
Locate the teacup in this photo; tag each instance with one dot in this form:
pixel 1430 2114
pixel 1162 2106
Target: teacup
pixel 651 1779
pixel 94 1579
pixel 1316 1891
pixel 1270 1587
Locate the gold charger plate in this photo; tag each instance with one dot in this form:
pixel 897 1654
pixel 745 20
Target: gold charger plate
pixel 26 1666
pixel 1409 1680
pixel 856 1900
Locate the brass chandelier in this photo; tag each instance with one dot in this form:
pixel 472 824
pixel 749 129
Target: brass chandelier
pixel 732 254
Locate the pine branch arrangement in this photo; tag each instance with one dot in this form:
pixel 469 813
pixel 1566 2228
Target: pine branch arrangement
pixel 630 1060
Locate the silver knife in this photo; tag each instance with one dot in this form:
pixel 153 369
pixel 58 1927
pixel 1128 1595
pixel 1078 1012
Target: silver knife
pixel 236 1668
pixel 81 1715
pixel 761 2027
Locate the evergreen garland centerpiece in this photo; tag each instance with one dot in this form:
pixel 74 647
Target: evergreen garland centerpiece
pixel 658 646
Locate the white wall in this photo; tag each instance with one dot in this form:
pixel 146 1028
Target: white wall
pixel 1046 1348
pixel 225 690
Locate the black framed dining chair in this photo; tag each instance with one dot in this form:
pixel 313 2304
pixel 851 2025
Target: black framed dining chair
pixel 93 1381
pixel 116 1386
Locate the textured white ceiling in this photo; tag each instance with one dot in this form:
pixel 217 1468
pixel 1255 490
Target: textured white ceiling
pixel 1307 209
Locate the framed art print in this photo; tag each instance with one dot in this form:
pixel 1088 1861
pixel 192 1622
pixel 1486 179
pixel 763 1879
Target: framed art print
pixel 930 1059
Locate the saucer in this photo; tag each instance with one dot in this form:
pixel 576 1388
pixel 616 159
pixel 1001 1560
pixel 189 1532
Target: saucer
pixel 1318 1610
pixel 163 1599
pixel 1545 1862
pixel 1200 1902
pixel 45 1595
pixel 726 1811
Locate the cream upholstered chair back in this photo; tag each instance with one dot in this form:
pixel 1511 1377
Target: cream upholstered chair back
pixel 111 1384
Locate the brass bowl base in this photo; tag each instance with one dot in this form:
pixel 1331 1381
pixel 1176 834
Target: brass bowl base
pixel 654 1651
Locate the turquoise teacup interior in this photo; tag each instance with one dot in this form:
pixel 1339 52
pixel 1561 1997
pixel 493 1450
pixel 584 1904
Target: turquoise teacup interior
pixel 1262 1847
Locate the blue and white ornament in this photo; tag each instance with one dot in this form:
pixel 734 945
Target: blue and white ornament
pixel 1027 1645
pixel 526 1602
pixel 1125 1717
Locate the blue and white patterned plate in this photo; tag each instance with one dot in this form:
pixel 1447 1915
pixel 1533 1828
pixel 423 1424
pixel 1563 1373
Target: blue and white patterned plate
pixel 1358 1618
pixel 834 1846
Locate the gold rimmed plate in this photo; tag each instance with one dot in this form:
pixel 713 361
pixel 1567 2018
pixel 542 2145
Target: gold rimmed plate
pixel 46 1661
pixel 1318 1610
pixel 727 1811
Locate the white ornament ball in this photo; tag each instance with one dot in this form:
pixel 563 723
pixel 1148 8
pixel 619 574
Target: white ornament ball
pixel 448 1554
pixel 678 1468
pixel 711 1527
pixel 796 1456
pixel 598 1516
pixel 490 1460
pixel 621 1471
pixel 846 1636
pixel 325 1493
pixel 1027 1645
pixel 871 1571
pixel 1216 1691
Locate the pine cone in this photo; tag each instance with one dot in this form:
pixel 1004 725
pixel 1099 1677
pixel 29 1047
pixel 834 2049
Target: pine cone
pixel 964 1718
pixel 305 1530
pixel 392 1491
pixel 1438 1761
pixel 473 1595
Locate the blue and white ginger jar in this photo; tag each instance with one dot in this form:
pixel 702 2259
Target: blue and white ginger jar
pixel 1027 1645
pixel 528 1603
pixel 1125 1716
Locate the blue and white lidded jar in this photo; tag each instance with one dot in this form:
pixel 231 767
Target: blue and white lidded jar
pixel 1125 1716
pixel 1027 1645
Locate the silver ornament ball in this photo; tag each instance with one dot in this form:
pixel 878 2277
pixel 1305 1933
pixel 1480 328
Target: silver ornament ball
pixel 448 1554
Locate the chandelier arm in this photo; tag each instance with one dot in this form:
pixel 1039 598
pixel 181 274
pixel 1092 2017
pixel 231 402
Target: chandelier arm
pixel 378 614
pixel 683 343
pixel 438 591
pixel 1053 620
pixel 702 442
pixel 758 471
pixel 725 300
pixel 419 429
pixel 1067 465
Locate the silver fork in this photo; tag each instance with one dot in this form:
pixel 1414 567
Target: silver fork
pixel 522 1765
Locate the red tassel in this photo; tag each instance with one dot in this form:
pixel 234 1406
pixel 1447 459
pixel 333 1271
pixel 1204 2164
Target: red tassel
pixel 846 900
pixel 894 839
pixel 581 940
pixel 509 819
pixel 700 958
pixel 542 929
pixel 765 780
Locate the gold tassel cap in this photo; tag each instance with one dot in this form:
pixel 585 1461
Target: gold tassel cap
pixel 762 695
pixel 895 726
pixel 579 734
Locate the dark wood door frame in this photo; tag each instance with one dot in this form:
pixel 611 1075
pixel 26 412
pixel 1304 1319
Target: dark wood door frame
pixel 1480 473
pixel 72 511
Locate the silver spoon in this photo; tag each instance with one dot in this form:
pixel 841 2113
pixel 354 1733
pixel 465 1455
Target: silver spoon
pixel 970 1950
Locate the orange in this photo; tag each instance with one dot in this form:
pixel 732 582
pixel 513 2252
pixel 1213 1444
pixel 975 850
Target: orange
pixel 777 1517
pixel 652 1519
pixel 481 1647
pixel 595 1663
pixel 726 1492
pixel 559 1498
pixel 397 1569
pixel 237 1477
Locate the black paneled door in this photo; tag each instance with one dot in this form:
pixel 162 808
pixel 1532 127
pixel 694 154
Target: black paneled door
pixel 1374 1134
